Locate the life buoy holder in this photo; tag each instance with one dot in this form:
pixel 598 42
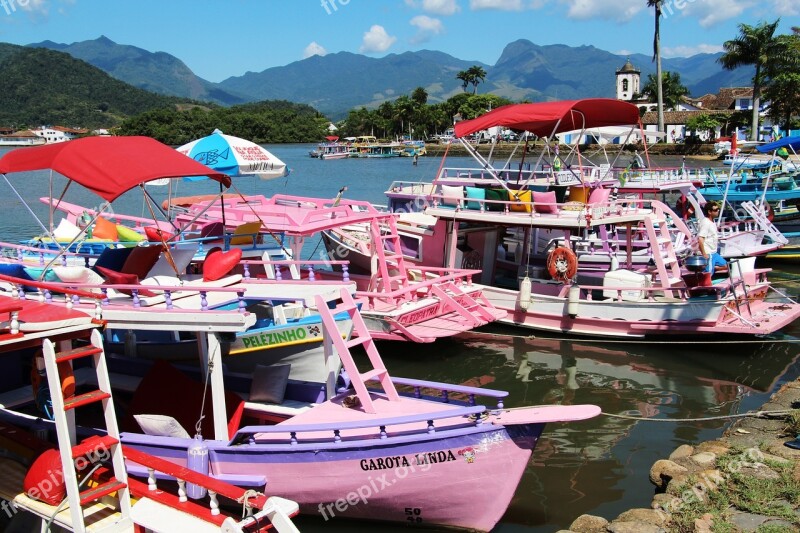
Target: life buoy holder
pixel 562 263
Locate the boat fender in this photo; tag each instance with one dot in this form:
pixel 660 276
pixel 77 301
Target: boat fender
pixel 573 300
pixel 525 293
pixel 562 263
pixel 197 460
pixel 614 263
pixel 769 211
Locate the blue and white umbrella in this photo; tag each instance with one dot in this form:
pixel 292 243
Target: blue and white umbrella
pixel 234 156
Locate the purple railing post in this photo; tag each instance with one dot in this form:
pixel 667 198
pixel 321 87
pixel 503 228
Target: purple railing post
pixel 345 273
pixel 311 276
pixel 445 397
pixel 168 298
pixel 337 436
pixel 242 305
pixel 104 290
pixel 293 437
pixel 278 275
pixel 431 429
pixel 204 300
pixel 383 432
pixel 137 303
pixel 246 271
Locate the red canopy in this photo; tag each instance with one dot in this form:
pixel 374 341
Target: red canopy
pixel 108 166
pixel 541 118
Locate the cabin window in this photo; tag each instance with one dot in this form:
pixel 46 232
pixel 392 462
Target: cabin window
pixel 410 245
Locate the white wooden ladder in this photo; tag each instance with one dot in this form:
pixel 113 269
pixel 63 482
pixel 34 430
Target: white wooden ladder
pixel 361 337
pixel 91 449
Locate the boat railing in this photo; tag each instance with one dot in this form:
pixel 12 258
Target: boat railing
pixel 20 252
pixel 248 500
pixel 431 276
pixel 469 414
pixel 274 269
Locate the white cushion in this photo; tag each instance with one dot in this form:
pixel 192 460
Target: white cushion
pixel 181 256
pixel 79 275
pixel 161 426
pixel 66 231
pixel 452 195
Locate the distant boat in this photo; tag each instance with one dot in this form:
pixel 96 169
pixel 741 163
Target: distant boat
pixel 368 146
pixel 21 139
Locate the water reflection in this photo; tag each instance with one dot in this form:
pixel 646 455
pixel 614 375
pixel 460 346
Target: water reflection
pixel 600 466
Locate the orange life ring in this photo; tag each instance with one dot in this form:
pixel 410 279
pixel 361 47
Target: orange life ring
pixel 562 263
pixel 770 211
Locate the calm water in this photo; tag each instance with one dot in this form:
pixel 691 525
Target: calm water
pixel 598 466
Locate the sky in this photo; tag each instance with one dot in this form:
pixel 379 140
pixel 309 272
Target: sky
pixel 223 38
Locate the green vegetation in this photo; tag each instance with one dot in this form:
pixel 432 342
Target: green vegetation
pixel 47 87
pixel 413 116
pixel 740 492
pixel 672 89
pixel 474 75
pixel 262 122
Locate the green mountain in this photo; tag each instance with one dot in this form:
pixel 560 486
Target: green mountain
pixel 47 87
pixel 335 83
pixel 156 72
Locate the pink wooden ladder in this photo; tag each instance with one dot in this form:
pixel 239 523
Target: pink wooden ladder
pixel 361 336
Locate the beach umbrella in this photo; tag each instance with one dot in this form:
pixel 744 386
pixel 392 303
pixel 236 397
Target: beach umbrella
pixel 234 156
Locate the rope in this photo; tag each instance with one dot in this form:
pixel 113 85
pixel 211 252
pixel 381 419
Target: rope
pixel 756 414
pixel 639 341
pixel 244 499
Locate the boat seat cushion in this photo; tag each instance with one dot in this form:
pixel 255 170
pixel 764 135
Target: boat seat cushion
pixel 120 278
pixel 180 256
pixel 599 196
pixel 79 275
pixel 475 193
pixel 17 270
pixel 165 390
pixel 452 195
pixel 66 231
pixel 218 263
pixel 545 202
pixel 244 233
pixel 269 383
pixel 212 229
pixel 493 199
pixel 155 234
pixel 520 201
pixel 141 260
pixel 127 234
pixel 113 258
pixel 45 480
pixel 104 229
pixel 161 426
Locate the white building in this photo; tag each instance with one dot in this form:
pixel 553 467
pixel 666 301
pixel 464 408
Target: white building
pixel 55 134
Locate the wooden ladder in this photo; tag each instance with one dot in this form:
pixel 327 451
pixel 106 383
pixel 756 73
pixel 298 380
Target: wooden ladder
pixel 361 337
pixel 383 233
pixel 663 253
pixel 64 417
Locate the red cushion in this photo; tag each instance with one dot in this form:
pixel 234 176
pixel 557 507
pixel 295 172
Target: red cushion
pixel 217 264
pixel 155 235
pixel 212 229
pixel 141 260
pixel 157 393
pixel 45 480
pixel 119 278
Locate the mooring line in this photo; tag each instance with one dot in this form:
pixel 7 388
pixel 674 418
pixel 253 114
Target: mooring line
pixel 638 341
pixel 756 414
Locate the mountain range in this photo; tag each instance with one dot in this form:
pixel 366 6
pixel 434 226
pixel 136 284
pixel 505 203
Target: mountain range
pixel 524 71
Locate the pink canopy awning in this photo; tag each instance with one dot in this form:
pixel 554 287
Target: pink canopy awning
pixel 542 118
pixel 109 166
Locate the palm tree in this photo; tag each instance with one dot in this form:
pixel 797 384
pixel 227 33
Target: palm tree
pixel 476 75
pixel 466 79
pixel 672 90
pixel 657 58
pixel 757 46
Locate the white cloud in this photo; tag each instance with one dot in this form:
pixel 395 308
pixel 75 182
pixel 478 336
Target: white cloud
pixel 501 5
pixel 427 28
pixel 376 40
pixel 34 7
pixel 688 51
pixel 443 8
pixel 314 49
pixel 619 11
pixel 708 12
pixel 784 8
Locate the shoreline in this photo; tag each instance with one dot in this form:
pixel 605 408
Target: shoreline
pixel 693 476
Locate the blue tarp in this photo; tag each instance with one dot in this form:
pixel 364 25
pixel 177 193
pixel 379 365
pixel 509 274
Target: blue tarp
pixel 786 142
